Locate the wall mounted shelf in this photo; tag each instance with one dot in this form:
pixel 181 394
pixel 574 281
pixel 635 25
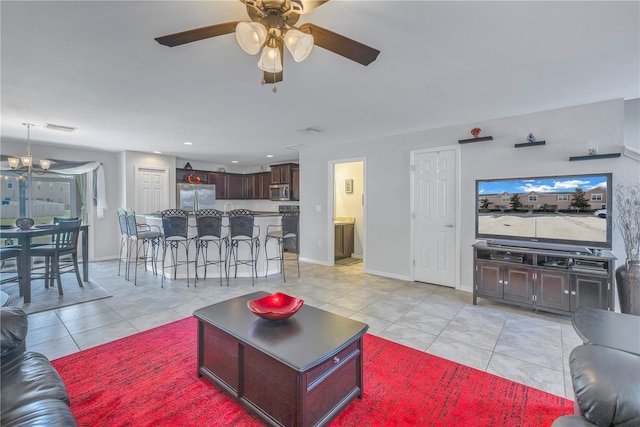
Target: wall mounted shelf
pixel 530 144
pixel 594 157
pixel 478 139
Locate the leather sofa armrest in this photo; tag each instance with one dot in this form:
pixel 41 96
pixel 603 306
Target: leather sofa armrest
pixel 14 325
pixel 605 385
pixel 572 421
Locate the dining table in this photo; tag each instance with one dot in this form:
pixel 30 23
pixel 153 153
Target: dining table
pixel 24 238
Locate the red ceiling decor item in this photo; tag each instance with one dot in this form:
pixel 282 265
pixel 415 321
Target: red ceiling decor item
pixel 475 132
pixel 276 306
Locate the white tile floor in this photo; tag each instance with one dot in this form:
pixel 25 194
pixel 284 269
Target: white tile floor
pixel 523 346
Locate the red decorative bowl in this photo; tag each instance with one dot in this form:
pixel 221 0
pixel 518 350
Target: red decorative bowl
pixel 276 306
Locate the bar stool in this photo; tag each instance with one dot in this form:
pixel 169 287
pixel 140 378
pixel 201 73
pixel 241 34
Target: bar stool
pixel 242 230
pixel 209 226
pixel 140 236
pixel 124 238
pixel 286 236
pixel 175 230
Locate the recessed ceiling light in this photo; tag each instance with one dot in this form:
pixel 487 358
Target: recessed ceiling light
pixel 188 143
pixel 234 161
pixel 157 152
pixel 269 155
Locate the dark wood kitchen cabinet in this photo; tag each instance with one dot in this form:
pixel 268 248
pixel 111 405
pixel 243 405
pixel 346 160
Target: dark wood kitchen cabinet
pixel 236 186
pixel 220 181
pixel 281 174
pixel 344 240
pixel 257 185
pixel 295 183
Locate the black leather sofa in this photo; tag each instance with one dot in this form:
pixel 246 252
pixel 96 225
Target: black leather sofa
pixel 606 385
pixel 32 392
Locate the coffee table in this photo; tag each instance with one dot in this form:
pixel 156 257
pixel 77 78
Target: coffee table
pixel 301 371
pixel 608 328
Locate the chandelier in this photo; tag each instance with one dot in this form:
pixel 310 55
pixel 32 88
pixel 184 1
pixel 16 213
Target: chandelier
pixel 27 160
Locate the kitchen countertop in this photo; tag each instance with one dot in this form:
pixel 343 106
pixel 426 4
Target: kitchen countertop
pixel 344 220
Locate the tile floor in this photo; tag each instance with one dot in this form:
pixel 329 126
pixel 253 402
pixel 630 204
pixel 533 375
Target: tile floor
pixel 521 345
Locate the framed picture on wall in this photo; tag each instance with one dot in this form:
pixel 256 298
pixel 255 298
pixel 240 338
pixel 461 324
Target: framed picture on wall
pixel 348 186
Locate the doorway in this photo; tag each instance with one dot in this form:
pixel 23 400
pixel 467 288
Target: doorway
pixel 151 189
pixel 435 199
pixel 348 211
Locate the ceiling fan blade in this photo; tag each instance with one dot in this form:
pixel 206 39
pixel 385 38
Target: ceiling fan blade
pixel 341 45
pixel 196 34
pixel 270 78
pixel 306 6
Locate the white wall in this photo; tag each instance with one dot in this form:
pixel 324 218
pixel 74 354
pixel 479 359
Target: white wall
pixel 568 132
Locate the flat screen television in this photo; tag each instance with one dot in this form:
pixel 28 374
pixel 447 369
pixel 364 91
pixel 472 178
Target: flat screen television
pixel 570 210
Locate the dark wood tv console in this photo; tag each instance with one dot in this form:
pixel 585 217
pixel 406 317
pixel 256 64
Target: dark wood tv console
pixel 547 279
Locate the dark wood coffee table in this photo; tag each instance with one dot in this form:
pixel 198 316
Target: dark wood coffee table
pixel 301 371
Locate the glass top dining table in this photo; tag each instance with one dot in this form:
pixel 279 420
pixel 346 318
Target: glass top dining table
pixel 25 238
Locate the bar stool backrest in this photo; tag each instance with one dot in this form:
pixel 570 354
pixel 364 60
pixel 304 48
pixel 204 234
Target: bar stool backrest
pixel 290 225
pixel 241 223
pixel 175 224
pixel 122 221
pixel 209 223
pixel 132 226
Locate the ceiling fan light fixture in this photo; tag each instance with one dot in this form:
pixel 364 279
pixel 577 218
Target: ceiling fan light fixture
pixel 299 44
pixel 251 36
pixel 270 60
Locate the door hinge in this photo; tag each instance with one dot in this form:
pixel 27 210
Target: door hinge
pixel 533 298
pixel 476 268
pixel 412 167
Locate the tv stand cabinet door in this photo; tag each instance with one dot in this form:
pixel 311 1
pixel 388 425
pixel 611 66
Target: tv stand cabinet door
pixel 488 281
pixel 518 284
pixel 590 291
pixel 553 290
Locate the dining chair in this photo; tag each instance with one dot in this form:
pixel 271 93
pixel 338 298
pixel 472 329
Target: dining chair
pixel 175 234
pixel 8 253
pixel 243 232
pixel 141 237
pixel 64 241
pixel 286 237
pixel 210 232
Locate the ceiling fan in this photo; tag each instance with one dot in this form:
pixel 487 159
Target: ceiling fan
pixel 271 28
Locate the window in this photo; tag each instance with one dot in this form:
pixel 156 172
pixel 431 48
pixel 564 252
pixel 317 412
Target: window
pixel 50 196
pixel 563 197
pixel 596 197
pixel 506 198
pixel 533 198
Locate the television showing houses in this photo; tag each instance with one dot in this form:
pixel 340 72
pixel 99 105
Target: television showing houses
pixel 570 209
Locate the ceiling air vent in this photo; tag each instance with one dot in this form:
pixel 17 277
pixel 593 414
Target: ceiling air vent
pixel 309 130
pixel 60 127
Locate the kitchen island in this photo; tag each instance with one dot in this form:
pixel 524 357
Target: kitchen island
pixel 262 219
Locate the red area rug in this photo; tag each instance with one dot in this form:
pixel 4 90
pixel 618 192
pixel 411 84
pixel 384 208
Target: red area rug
pixel 149 379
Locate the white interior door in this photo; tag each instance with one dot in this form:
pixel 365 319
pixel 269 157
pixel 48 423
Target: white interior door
pixel 435 244
pixel 152 189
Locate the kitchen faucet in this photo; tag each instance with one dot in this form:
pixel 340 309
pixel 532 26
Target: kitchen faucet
pixel 225 207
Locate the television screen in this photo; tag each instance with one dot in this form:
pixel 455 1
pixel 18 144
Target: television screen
pixel 570 209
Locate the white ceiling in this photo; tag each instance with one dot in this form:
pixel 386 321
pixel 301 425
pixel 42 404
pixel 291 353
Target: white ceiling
pixel 95 65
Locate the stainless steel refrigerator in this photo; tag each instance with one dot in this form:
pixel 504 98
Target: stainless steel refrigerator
pixel 193 197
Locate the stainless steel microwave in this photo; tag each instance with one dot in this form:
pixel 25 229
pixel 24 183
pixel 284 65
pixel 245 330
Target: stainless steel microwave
pixel 279 192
